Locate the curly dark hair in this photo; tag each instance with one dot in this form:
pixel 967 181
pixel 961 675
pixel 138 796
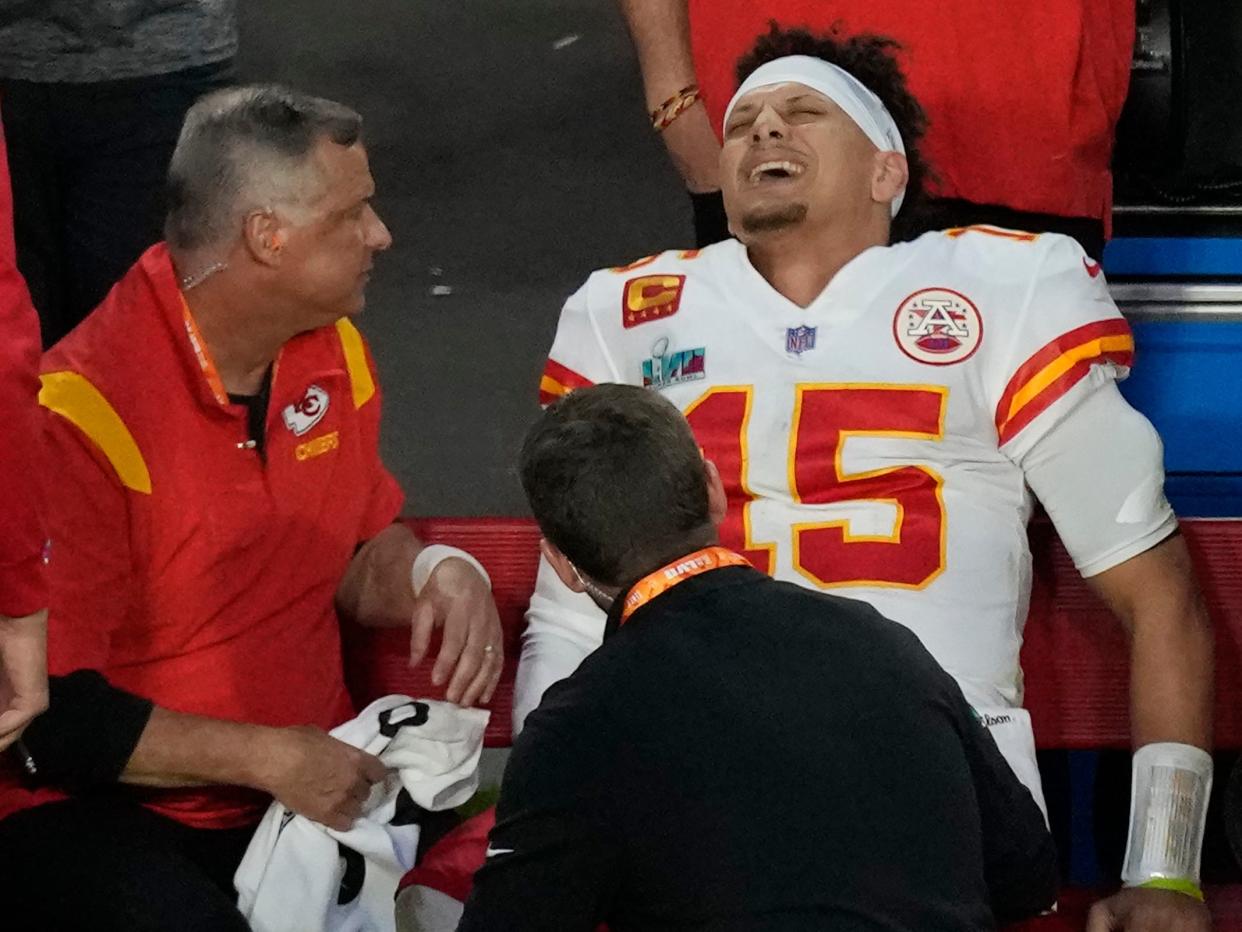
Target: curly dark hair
pixel 870 59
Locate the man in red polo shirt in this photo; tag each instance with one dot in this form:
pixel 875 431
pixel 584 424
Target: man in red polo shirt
pixel 218 503
pixel 1022 100
pixel 23 591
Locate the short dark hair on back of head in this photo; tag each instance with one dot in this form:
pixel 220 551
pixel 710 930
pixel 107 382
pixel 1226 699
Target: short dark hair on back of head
pixel 616 481
pixel 870 59
pixel 239 144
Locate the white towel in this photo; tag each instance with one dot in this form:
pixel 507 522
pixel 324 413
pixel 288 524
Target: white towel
pixel 300 876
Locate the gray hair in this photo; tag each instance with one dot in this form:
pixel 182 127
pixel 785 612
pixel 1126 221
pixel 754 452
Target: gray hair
pixel 246 148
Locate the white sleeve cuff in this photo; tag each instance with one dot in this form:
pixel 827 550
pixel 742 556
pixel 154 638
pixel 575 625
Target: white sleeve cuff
pixel 432 556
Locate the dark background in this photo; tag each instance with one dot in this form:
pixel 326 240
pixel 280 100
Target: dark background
pixel 508 169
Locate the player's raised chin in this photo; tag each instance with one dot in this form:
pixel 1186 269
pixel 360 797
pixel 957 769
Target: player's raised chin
pixel 793 158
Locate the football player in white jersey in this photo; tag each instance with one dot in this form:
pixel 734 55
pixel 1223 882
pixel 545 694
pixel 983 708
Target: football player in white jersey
pixel 884 416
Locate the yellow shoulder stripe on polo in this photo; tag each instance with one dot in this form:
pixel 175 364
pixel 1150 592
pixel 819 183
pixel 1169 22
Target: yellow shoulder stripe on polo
pixel 356 362
pixel 78 401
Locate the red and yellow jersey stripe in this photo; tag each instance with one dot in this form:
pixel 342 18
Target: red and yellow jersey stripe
pixel 1058 367
pixel 559 380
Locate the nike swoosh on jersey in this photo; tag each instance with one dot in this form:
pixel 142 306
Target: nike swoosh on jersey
pixel 495 852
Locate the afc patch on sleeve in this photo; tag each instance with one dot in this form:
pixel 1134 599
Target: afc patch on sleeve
pixel 650 297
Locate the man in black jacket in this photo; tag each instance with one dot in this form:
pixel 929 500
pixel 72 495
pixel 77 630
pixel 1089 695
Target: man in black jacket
pixel 741 754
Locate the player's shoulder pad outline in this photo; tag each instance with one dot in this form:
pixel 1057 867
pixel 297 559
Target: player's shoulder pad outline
pixel 998 255
pixel 1000 233
pixel 675 254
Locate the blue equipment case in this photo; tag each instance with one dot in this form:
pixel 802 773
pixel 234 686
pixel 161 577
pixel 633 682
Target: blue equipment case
pixel 1183 298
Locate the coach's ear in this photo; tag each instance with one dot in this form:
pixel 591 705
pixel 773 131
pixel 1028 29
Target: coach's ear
pixel 560 563
pixel 717 500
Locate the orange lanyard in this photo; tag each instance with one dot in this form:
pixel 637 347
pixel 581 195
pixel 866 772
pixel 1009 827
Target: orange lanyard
pixel 200 351
pixel 677 572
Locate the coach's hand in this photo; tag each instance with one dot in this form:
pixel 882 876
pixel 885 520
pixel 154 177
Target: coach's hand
pixel 317 776
pixel 23 673
pixel 1134 909
pixel 458 600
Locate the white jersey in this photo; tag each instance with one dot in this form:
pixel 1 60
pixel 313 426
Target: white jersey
pixel 299 874
pixel 872 443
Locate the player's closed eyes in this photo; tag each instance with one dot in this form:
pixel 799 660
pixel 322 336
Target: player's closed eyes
pixel 799 114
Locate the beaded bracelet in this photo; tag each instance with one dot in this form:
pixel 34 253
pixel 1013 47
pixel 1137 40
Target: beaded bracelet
pixel 663 116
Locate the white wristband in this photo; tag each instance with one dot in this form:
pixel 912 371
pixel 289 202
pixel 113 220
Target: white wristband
pixel 1169 793
pixel 431 556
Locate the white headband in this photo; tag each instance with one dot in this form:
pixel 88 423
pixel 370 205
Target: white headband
pixel 839 86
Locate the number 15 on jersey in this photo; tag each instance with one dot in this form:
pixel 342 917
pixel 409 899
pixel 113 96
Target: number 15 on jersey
pixel 826 416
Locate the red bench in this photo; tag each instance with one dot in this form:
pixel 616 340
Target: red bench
pixel 1077 686
pixel 1075 656
pixel 376 659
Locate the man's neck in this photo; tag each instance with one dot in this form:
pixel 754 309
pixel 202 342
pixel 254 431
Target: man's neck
pixel 241 342
pixel 692 546
pixel 800 266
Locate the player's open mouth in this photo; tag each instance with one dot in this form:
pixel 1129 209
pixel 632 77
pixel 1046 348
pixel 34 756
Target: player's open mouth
pixel 775 170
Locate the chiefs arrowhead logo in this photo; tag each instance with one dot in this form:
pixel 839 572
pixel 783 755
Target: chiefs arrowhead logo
pixel 1093 268
pixel 305 414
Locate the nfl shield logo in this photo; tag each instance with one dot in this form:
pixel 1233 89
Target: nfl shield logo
pixel 799 339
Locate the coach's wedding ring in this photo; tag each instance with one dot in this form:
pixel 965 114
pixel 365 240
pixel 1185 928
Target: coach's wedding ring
pixel 489 648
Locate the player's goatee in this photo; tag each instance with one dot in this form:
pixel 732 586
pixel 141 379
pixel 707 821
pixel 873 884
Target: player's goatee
pixel 765 219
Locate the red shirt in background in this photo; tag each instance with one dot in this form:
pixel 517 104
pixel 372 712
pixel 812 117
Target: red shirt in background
pixel 23 590
pixel 1022 99
pixel 187 568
